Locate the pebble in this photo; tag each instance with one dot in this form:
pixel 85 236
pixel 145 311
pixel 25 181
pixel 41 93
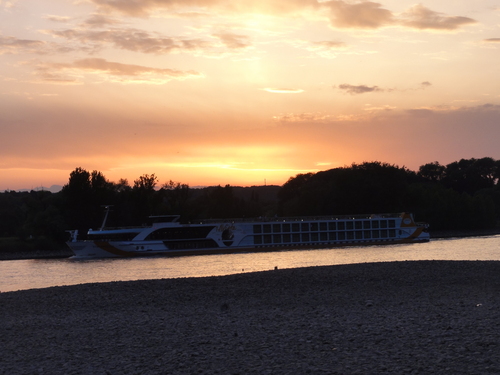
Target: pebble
pixel 400 317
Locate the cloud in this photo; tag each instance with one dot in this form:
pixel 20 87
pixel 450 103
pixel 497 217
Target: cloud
pixel 99 20
pixel 8 4
pixel 283 90
pixel 363 89
pixel 234 41
pixel 137 40
pixel 363 15
pixel 114 68
pixel 48 73
pixel 145 7
pixel 422 18
pixel 491 40
pixel 342 14
pixel 301 117
pixel 374 109
pixel 325 48
pixel 131 8
pixel 133 40
pixel 360 89
pixel 371 15
pixel 327 44
pixel 63 73
pixel 59 19
pixel 13 45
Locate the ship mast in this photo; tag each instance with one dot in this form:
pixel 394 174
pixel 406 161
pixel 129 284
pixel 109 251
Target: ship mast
pixel 107 208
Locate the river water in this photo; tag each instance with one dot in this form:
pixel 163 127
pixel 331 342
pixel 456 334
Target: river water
pixel 43 273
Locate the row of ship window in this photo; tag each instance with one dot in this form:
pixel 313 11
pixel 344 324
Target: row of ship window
pixel 323 236
pixel 323 226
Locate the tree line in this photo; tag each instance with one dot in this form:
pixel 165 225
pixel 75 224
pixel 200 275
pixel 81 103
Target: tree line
pixel 462 195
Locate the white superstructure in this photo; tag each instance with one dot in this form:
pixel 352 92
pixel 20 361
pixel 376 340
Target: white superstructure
pixel 264 234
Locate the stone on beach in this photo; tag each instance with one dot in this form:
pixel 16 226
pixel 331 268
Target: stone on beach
pixel 398 317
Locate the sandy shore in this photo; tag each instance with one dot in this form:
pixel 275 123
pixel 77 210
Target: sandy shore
pixel 402 318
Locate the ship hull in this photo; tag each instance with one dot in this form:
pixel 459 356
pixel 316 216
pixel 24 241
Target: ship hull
pixel 99 249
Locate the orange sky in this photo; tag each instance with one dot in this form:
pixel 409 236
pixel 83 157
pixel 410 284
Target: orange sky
pixel 209 92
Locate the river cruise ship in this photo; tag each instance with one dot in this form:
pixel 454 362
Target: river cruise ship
pixel 167 236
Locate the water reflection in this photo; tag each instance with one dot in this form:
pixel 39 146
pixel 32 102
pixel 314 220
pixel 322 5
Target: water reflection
pixel 29 274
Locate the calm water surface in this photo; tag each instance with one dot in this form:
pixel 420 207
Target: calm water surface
pixel 30 274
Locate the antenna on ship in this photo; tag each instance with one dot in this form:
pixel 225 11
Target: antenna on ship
pixel 107 208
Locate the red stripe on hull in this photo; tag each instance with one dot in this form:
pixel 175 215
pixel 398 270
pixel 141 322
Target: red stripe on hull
pixel 106 246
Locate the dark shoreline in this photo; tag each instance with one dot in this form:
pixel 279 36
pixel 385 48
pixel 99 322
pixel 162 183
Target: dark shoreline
pixel 464 233
pixel 35 254
pixel 409 317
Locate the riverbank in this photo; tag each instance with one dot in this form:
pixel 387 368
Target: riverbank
pixel 35 254
pixel 401 318
pixel 12 248
pixel 464 233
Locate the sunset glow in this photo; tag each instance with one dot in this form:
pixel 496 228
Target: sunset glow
pixel 208 92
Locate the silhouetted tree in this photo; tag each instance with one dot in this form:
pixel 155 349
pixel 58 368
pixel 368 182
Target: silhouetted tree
pixel 43 217
pixel 122 185
pixel 360 188
pixel 221 202
pixel 471 175
pixel 176 196
pixel 79 183
pixel 290 194
pixel 461 195
pixel 434 172
pixel 84 195
pixel 77 194
pixel 145 200
pixel 146 182
pixel 11 213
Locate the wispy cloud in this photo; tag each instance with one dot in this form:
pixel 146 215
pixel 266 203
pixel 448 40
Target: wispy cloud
pixel 363 89
pixel 16 46
pixel 301 117
pixel 383 108
pixel 100 20
pixel 283 90
pixel 7 4
pixel 58 19
pixel 145 7
pixel 327 44
pixel 491 40
pixel 132 40
pixel 324 48
pixel 234 41
pixel 422 18
pixel 363 15
pixel 70 73
pixel 341 14
pixel 137 40
pixel 358 89
pixel 13 45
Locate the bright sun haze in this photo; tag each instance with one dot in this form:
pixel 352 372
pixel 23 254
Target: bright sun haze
pixel 243 92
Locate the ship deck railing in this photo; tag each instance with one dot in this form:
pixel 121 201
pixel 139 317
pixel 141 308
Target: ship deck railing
pixel 277 219
pixel 138 227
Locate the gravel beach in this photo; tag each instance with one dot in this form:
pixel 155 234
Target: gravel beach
pixel 426 317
